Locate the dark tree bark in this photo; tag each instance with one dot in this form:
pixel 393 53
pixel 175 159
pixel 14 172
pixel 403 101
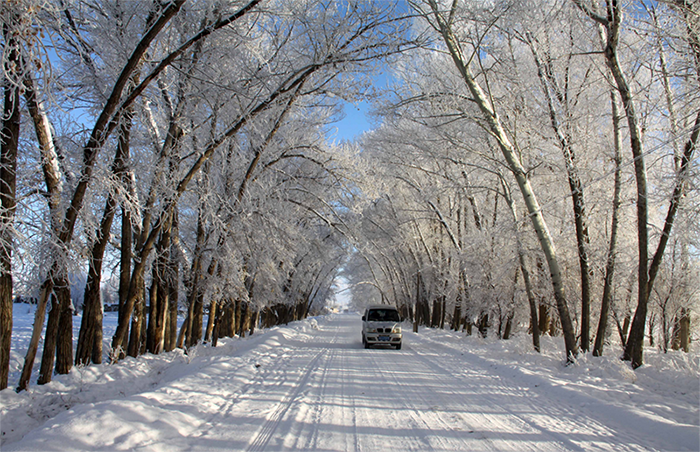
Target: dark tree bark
pixel 58 349
pixel 610 261
pixel 124 273
pixel 213 314
pixel 227 325
pixel 64 335
pixel 173 278
pixel 160 299
pixel 137 289
pixel 89 348
pixel 254 318
pixel 49 351
pixel 9 135
pixel 194 331
pixel 544 318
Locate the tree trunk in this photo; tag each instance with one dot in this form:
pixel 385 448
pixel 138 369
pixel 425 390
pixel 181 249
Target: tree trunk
pixel 532 302
pixel 90 336
pixel 91 320
pixel 611 23
pixel 684 339
pixel 647 273
pixel 435 319
pixel 209 330
pixel 135 302
pixel 623 329
pixel 183 334
pixel 5 324
pixel 89 346
pixel 534 323
pixel 159 304
pixel 575 185
pixel 545 319
pixel 8 167
pixel 193 282
pixel 456 316
pixel 49 162
pixel 49 352
pixel 157 314
pixel 226 326
pixel 254 321
pixel 610 262
pixel 173 280
pixel 484 324
pixel 215 330
pixel 213 314
pixel 44 293
pixel 508 327
pixel 136 296
pixel 443 308
pixel 126 257
pixel 64 335
pixel 245 318
pixel 195 333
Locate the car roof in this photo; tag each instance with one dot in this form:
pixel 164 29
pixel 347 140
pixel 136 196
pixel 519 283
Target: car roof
pixel 382 306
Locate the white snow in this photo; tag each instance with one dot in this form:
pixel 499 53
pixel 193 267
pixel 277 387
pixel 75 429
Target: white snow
pixel 312 386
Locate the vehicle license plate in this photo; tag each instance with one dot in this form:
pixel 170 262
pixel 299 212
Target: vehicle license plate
pixel 384 338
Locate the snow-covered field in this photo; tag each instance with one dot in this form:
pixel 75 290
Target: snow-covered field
pixel 311 386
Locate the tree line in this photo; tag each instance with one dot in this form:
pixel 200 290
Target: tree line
pixel 175 151
pixel 538 170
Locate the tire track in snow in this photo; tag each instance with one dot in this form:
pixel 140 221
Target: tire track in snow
pixel 304 429
pixel 237 389
pixel 291 398
pixel 430 406
pixel 349 400
pixel 396 400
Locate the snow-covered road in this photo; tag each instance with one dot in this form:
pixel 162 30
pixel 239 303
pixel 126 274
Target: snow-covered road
pixel 314 387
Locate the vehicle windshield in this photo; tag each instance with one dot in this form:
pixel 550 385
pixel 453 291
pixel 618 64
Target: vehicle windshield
pixel 383 315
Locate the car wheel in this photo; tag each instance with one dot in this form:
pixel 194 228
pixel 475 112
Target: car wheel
pixel 398 346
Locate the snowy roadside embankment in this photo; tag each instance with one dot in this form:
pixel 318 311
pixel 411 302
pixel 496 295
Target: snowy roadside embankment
pixel 664 391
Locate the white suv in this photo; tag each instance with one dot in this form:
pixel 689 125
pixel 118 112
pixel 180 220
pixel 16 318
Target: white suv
pixel 381 325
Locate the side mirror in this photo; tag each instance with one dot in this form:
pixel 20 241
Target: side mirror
pixel 364 318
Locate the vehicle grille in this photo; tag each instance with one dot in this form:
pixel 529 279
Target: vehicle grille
pixel 383 330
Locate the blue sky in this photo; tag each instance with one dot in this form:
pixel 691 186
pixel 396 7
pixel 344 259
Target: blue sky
pixel 354 123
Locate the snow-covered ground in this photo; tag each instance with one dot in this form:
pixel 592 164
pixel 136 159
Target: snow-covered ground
pixel 311 386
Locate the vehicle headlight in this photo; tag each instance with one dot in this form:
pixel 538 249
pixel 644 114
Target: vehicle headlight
pixel 397 329
pixel 371 330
